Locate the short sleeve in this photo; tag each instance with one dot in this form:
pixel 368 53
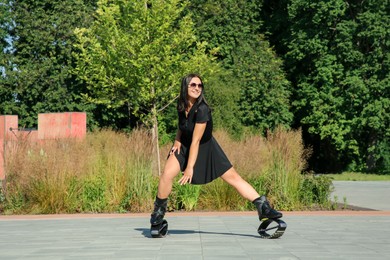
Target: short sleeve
pixel 202 113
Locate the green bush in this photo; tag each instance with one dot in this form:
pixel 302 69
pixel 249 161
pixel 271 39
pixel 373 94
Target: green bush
pixel 315 190
pixel 383 157
pixel 187 196
pixel 93 195
pixel 2 197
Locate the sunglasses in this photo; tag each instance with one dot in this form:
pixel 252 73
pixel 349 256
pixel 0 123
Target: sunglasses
pixel 193 85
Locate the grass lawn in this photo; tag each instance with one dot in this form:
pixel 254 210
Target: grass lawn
pixel 356 176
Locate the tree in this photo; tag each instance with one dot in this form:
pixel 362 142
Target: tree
pixel 258 87
pixel 336 57
pixel 223 23
pixel 36 73
pixel 135 54
pixel 265 92
pixel 5 25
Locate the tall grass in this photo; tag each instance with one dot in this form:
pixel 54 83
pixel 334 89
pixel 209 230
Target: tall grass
pixel 273 165
pixel 112 172
pixel 287 160
pixel 106 172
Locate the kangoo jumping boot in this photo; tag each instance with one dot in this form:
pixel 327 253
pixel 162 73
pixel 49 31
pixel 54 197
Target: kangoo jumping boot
pixel 264 209
pixel 159 226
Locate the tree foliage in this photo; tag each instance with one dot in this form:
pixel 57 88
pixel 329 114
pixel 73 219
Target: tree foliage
pixel 258 92
pixel 265 92
pixel 337 57
pixel 135 54
pixel 5 25
pixel 224 23
pixel 36 75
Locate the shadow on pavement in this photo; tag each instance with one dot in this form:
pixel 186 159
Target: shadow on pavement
pixel 146 233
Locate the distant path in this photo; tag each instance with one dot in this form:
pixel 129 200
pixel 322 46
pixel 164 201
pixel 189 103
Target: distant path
pixel 365 194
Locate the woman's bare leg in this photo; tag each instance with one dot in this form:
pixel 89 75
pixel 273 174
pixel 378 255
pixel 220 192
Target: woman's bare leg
pixel 243 187
pixel 248 192
pixel 171 170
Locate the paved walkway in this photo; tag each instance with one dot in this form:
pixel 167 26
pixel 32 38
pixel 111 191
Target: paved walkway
pixel 231 235
pixel 365 194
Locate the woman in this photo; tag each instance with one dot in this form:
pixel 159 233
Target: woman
pixel 197 154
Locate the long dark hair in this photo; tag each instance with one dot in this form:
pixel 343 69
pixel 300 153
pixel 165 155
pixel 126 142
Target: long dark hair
pixel 182 104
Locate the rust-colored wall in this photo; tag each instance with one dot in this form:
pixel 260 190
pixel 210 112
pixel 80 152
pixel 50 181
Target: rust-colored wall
pixel 6 122
pixel 2 173
pixel 62 125
pixel 50 126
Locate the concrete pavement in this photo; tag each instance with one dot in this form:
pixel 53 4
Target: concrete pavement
pixel 364 194
pixel 197 235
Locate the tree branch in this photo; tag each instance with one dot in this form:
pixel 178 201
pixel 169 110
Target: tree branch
pixel 170 102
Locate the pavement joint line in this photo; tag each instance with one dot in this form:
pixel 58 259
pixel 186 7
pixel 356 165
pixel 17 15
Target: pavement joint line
pixel 192 214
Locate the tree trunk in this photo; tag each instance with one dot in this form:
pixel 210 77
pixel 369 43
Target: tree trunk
pixel 371 160
pixel 156 147
pixel 129 114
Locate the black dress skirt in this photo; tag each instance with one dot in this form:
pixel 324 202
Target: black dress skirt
pixel 211 162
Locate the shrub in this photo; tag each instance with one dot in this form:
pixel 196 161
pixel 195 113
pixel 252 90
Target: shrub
pixel 315 190
pixel 2 197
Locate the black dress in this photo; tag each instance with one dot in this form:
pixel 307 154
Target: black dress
pixel 211 162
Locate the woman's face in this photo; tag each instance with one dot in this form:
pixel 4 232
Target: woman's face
pixel 195 88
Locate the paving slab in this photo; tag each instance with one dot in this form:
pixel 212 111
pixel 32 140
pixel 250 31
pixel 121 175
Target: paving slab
pixel 208 235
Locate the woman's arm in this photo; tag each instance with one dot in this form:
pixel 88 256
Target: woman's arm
pixel 194 149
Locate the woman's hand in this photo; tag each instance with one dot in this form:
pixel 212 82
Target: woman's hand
pixel 187 176
pixel 176 147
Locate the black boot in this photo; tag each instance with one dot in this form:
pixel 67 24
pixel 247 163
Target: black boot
pixel 160 207
pixel 264 209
